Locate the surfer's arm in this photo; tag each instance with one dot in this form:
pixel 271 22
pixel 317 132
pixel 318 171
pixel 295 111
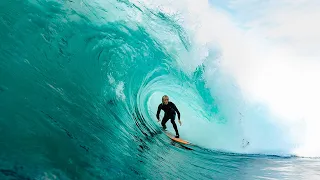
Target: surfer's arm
pixel 158 111
pixel 176 109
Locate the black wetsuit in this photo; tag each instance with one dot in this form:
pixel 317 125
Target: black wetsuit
pixel 169 113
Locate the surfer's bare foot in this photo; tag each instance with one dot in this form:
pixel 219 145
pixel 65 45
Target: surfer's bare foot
pixel 177 136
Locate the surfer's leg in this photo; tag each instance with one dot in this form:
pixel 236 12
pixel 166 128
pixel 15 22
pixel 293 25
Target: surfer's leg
pixel 164 121
pixel 175 125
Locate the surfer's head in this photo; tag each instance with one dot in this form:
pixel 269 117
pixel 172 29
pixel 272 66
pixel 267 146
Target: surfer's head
pixel 165 99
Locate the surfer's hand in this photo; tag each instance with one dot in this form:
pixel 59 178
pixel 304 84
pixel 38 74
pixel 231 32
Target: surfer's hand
pixel 158 120
pixel 179 122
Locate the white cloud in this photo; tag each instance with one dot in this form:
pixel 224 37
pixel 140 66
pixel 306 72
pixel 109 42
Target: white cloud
pixel 293 24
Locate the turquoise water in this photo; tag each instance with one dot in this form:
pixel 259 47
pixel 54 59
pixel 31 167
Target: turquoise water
pixel 80 82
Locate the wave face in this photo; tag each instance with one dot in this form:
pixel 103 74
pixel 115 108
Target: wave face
pixel 80 82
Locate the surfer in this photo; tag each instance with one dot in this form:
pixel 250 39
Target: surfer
pixel 170 110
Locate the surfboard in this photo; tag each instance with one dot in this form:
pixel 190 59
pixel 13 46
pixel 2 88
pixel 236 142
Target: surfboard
pixel 179 140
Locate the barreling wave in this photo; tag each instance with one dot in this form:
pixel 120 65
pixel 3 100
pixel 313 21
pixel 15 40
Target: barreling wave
pixel 80 82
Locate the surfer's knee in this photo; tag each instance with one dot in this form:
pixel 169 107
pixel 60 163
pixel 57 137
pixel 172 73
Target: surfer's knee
pixel 163 123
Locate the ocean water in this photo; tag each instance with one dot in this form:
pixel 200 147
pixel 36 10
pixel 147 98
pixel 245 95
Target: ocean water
pixel 80 82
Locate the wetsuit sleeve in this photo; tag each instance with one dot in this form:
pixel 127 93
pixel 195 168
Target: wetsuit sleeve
pixel 176 109
pixel 158 111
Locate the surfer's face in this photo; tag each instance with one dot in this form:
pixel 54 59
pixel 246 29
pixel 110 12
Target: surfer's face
pixel 165 100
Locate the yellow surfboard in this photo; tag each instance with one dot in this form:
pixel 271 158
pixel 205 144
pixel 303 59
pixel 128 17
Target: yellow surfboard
pixel 179 140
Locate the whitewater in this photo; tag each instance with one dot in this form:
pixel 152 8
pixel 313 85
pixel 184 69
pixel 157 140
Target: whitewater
pixel 80 83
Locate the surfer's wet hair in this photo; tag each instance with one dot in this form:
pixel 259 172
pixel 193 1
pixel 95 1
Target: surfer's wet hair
pixel 165 96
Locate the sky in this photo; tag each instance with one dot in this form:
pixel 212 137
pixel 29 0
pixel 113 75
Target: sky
pixel 293 24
